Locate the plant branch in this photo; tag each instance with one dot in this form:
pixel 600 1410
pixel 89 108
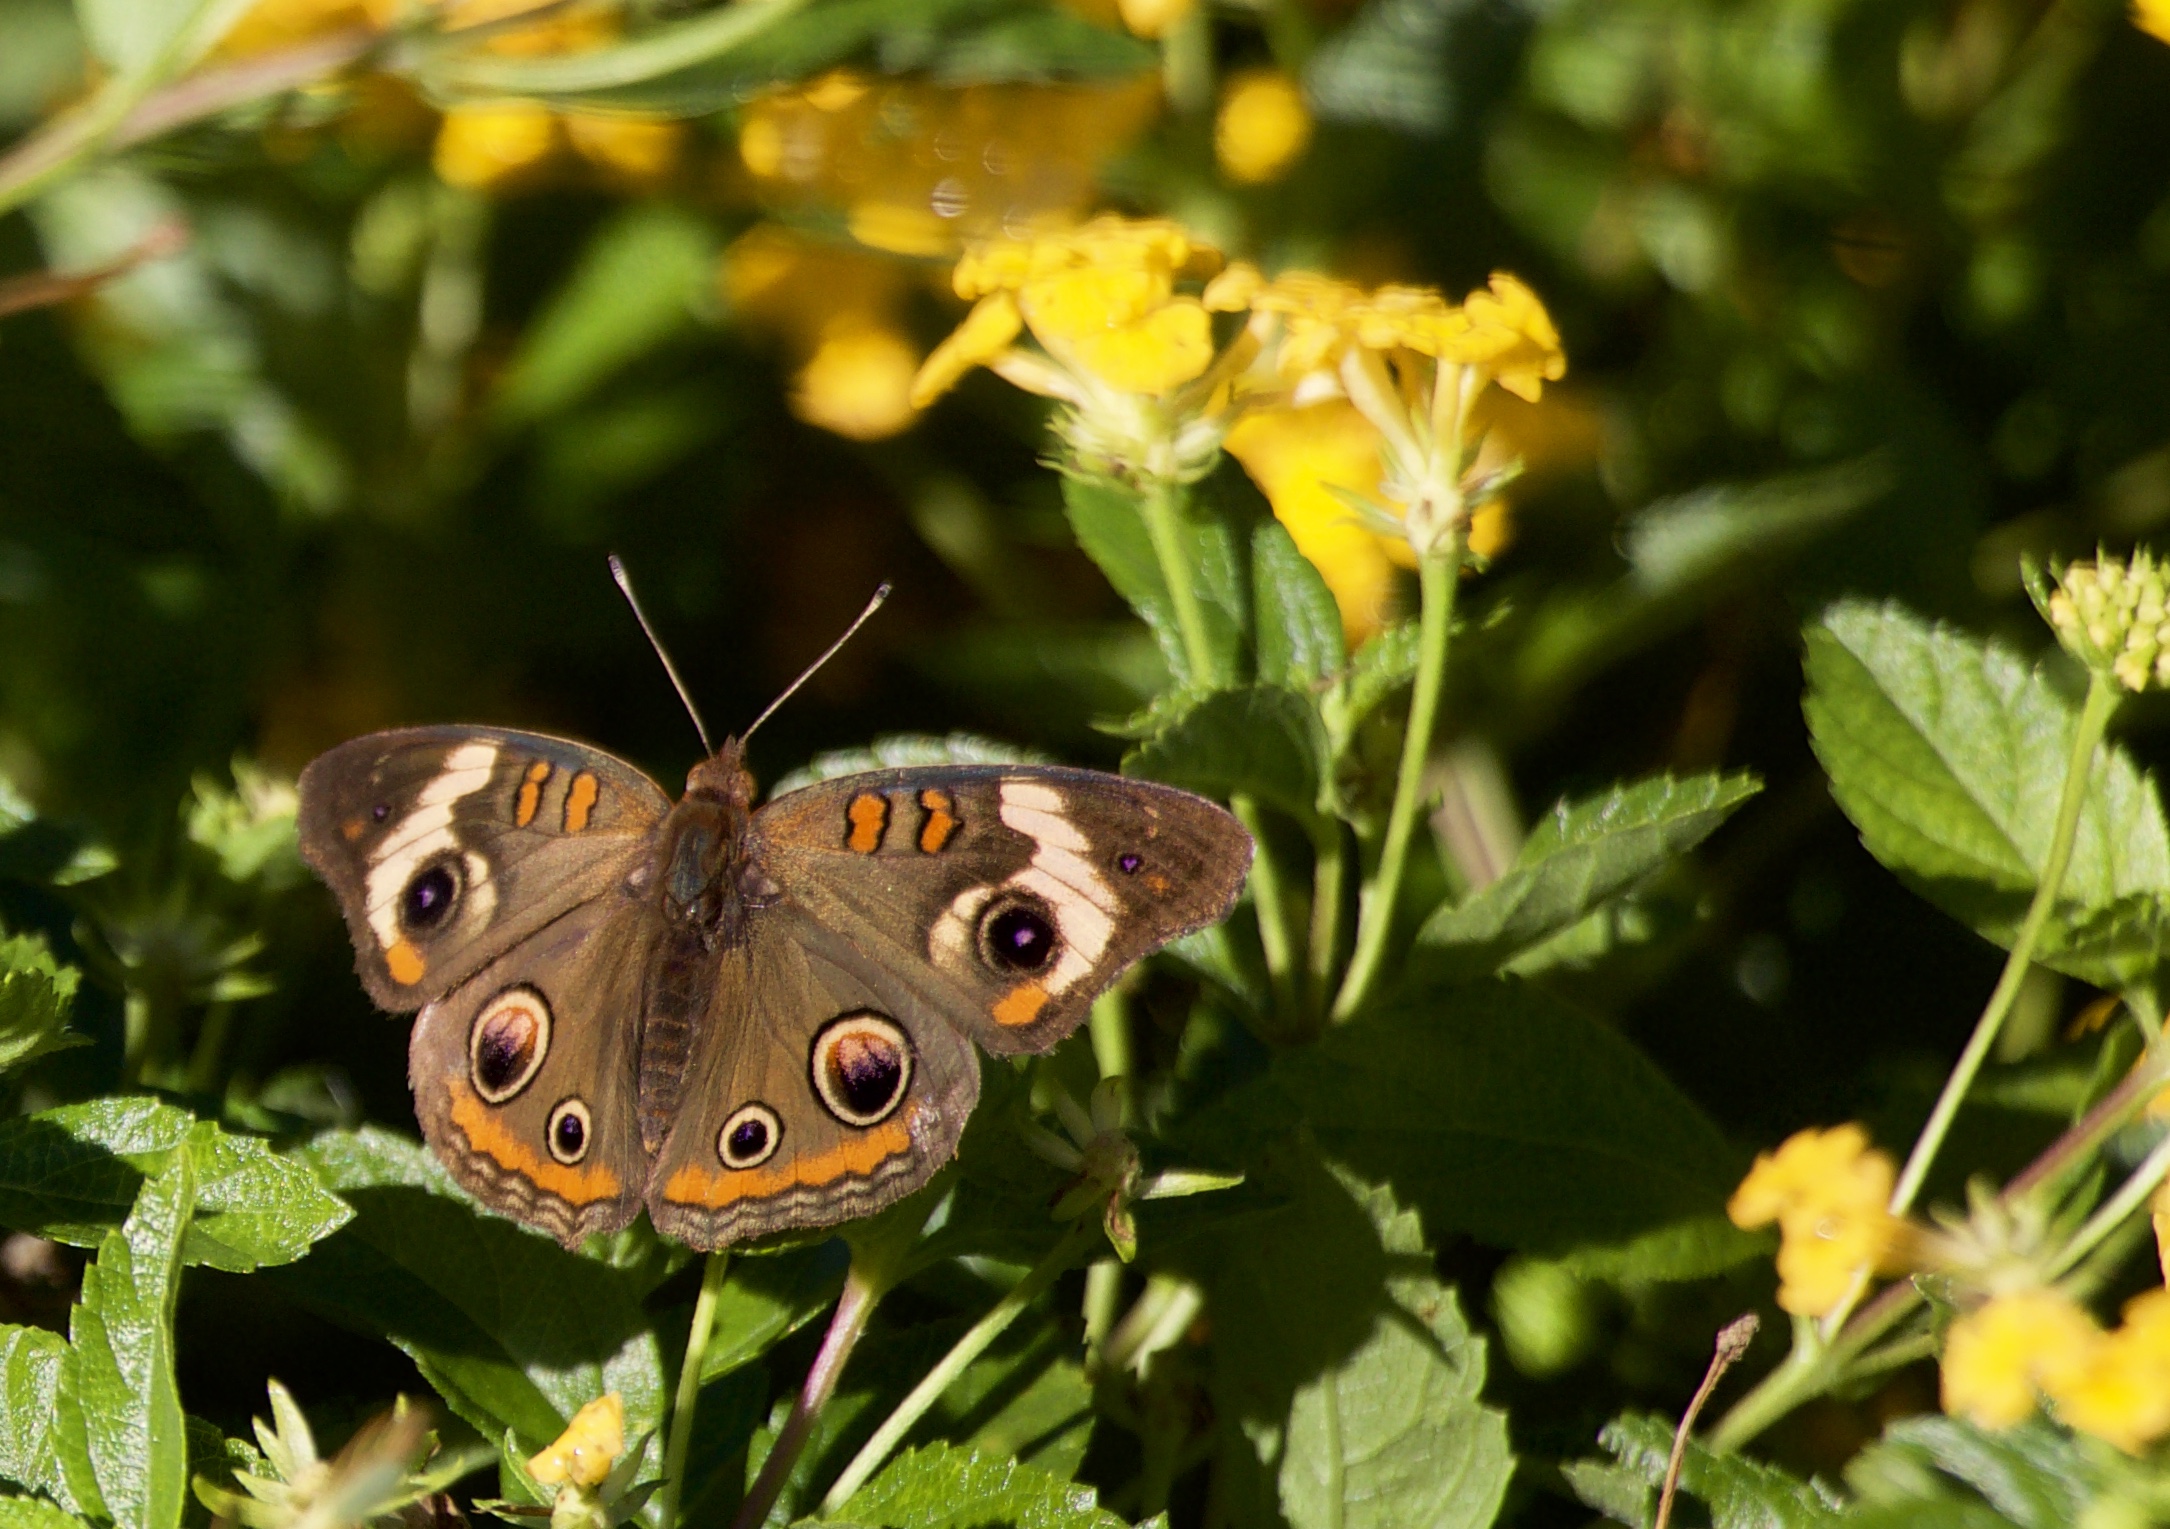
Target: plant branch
pixel 954 1363
pixel 2102 697
pixel 863 1290
pixel 2131 1195
pixel 1438 574
pixel 680 1438
pixel 1160 506
pixel 1732 1342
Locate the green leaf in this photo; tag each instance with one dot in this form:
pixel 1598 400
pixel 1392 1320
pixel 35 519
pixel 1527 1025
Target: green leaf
pixel 129 35
pixel 1299 627
pixel 897 751
pixel 71 1173
pixel 1389 65
pixel 1381 667
pixel 117 1392
pixel 1741 1493
pixel 1109 527
pixel 765 1300
pixel 1690 1249
pixel 1261 739
pixel 510 1329
pixel 940 1487
pixel 35 1513
pixel 643 278
pixel 2035 1475
pixel 37 849
pixel 1582 855
pixel 30 1364
pixel 1497 1111
pixel 1396 1433
pixel 1948 752
pixel 36 992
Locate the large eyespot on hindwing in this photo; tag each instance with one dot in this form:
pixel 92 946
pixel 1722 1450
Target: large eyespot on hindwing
pixel 569 1131
pixel 750 1137
pixel 507 1043
pixel 1018 935
pixel 429 896
pixel 862 1065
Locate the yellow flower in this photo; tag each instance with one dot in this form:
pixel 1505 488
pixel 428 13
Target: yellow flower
pixel 858 382
pixel 1297 457
pixel 271 24
pixel 1829 1192
pixel 1263 126
pixel 2152 17
pixel 2119 1391
pixel 1153 18
pixel 1511 336
pixel 983 336
pixel 639 148
pixel 591 1444
pixel 2114 613
pixel 1996 1357
pixel 483 146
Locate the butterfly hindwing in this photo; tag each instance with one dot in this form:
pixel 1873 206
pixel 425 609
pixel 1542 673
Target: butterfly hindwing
pixel 525 1077
pixel 446 846
pixel 816 1091
pixel 1005 898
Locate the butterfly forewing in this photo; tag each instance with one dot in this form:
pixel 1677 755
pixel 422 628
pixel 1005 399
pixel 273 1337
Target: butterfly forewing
pixel 447 846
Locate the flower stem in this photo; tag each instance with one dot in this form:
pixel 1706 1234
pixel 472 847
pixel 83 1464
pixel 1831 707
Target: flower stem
pixel 1329 883
pixel 2102 697
pixel 863 1290
pixel 1438 575
pixel 1160 504
pixel 2130 1196
pixel 1276 922
pixel 954 1363
pixel 680 1438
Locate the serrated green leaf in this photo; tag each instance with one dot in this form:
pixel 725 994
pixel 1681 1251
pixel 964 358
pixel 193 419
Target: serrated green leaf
pixel 30 1364
pixel 511 1330
pixel 2035 1475
pixel 1691 1249
pixel 1260 739
pixel 643 278
pixel 36 1513
pixel 1948 752
pixel 1112 533
pixel 72 1173
pixel 1613 1490
pixel 1741 1493
pixel 1538 1128
pixel 1581 855
pixel 1299 637
pixel 940 1487
pixel 904 751
pixel 117 1390
pixel 765 1300
pixel 1378 671
pixel 1395 1433
pixel 36 992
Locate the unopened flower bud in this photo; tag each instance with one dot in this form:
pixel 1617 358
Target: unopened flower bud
pixel 2110 615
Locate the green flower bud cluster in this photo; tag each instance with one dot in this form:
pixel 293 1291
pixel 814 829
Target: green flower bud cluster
pixel 2115 615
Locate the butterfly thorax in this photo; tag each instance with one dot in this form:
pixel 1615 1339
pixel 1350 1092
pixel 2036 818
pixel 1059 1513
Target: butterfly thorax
pixel 703 874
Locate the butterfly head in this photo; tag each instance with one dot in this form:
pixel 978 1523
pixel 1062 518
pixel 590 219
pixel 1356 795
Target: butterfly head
pixel 723 776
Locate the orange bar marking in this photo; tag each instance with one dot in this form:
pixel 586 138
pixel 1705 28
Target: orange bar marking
pixel 486 1133
pixel 869 818
pixel 1021 1005
pixel 523 812
pixel 406 963
pixel 941 810
pixel 580 801
pixel 695 1184
pixel 351 829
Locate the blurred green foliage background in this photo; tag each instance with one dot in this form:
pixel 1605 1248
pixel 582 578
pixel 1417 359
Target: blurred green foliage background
pixel 1866 296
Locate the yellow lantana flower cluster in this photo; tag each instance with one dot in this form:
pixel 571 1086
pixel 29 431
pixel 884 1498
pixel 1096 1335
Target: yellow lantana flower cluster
pixel 2019 1347
pixel 1830 1193
pixel 2152 17
pixel 1132 355
pixel 2115 613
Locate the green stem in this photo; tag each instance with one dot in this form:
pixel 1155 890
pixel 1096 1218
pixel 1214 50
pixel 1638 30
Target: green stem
pixel 680 1437
pixel 1103 1300
pixel 864 1287
pixel 1329 890
pixel 954 1363
pixel 1276 921
pixel 2131 1195
pixel 1112 1051
pixel 1812 1368
pixel 2102 698
pixel 1438 576
pixel 1160 505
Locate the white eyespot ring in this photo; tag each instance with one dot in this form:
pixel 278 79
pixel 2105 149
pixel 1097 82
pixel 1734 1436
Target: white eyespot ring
pixel 861 1065
pixel 750 1137
pixel 507 1043
pixel 570 1132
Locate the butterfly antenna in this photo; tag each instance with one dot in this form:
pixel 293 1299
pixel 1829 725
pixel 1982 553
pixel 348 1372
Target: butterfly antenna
pixel 814 668
pixel 625 587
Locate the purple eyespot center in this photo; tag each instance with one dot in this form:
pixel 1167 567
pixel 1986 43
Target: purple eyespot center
pixel 1129 864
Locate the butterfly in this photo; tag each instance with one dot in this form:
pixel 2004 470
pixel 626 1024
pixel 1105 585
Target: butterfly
pixel 743 1019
